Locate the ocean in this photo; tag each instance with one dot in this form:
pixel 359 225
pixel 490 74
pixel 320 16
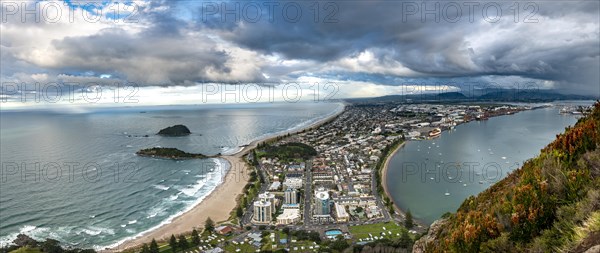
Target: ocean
pixel 74 176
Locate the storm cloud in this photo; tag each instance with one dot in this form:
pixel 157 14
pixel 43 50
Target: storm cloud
pixel 555 44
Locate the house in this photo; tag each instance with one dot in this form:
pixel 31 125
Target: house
pixel 223 230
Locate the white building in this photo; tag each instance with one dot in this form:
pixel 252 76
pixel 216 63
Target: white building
pixel 322 202
pixel 269 197
pixel 262 212
pixel 340 213
pixel 290 215
pixel 290 196
pixel 294 182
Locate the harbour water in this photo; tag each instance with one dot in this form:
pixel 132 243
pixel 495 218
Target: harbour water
pixel 433 177
pixel 74 177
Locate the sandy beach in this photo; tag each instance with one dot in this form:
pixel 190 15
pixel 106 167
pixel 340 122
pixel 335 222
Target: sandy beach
pixel 219 203
pixel 384 175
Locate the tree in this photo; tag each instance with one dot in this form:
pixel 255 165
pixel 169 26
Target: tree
pixel 52 246
pixel 209 225
pixel 408 223
pixel 153 246
pixel 404 241
pixel 183 243
pixel 145 248
pixel 173 243
pixel 239 212
pixel 340 244
pixel 195 238
pixel 359 209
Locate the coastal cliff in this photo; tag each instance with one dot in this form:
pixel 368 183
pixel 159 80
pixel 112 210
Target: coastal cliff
pixel 551 204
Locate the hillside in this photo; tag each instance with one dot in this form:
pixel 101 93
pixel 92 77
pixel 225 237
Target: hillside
pixel 551 204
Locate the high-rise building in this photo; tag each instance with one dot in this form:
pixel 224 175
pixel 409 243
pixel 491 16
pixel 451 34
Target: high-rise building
pixel 322 204
pixel 262 212
pixel 290 196
pixel 269 197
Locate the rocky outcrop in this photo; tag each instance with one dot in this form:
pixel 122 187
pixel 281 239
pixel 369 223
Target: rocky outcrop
pixel 420 245
pixel 176 130
pixel 169 153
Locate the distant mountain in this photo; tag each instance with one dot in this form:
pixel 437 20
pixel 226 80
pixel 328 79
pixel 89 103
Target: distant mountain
pixel 490 95
pixel 551 204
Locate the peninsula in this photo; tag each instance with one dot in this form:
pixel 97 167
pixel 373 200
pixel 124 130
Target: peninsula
pixel 169 153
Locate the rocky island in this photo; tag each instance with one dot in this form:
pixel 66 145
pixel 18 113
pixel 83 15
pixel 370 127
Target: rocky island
pixel 169 153
pixel 176 130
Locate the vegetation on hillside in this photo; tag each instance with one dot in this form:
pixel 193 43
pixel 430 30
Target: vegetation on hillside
pixel 551 204
pixel 287 152
pixel 169 153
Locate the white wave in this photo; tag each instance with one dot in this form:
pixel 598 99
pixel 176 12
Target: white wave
pixel 222 167
pixel 132 222
pixel 161 187
pixel 92 230
pixel 195 188
pixel 37 233
pixel 26 229
pixel 155 211
pixel 175 196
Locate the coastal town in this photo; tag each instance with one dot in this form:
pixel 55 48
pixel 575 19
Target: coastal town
pixel 324 187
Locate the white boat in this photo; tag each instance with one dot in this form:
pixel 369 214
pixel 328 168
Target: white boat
pixel 435 132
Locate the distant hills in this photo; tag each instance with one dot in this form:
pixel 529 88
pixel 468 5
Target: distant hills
pixel 490 95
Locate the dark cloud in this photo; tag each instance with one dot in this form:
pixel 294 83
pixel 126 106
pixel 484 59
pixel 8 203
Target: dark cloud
pixel 562 46
pixel 183 42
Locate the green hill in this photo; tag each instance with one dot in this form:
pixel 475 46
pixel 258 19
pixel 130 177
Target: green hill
pixel 551 204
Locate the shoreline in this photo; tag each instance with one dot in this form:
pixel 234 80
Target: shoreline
pixel 384 171
pixel 219 203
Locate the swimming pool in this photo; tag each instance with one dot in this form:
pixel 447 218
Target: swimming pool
pixel 333 233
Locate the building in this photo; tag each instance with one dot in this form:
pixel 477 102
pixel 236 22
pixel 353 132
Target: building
pixel 275 186
pixel 322 204
pixel 269 197
pixel 290 215
pixel 340 213
pixel 290 196
pixel 223 230
pixel 293 182
pixel 262 212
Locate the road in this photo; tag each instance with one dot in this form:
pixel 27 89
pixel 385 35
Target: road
pixel 308 193
pixel 247 218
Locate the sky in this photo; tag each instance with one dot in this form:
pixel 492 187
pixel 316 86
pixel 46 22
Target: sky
pixel 188 51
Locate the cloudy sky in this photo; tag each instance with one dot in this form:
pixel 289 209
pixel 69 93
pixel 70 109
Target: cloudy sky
pixel 183 51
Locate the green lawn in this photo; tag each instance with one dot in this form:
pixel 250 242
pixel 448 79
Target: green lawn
pixel 363 231
pixel 242 247
pixel 165 248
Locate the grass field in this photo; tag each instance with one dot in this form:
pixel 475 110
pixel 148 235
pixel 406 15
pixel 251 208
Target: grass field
pixel 363 231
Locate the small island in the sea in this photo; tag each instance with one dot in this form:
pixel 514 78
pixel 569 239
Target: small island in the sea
pixel 169 153
pixel 176 130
